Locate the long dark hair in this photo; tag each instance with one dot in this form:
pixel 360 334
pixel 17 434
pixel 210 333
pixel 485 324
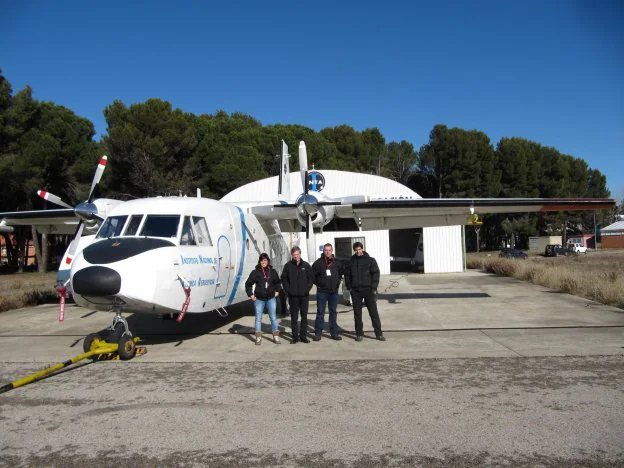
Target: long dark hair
pixel 264 255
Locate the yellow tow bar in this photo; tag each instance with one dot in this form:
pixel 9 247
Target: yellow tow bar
pixel 98 348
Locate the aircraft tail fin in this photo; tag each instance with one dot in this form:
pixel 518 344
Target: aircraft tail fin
pixel 283 189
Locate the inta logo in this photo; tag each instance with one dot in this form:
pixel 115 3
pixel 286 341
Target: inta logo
pixel 316 181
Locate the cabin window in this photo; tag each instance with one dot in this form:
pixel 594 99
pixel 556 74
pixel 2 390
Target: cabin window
pixel 112 227
pixel 133 225
pixel 187 237
pixel 160 226
pixel 201 230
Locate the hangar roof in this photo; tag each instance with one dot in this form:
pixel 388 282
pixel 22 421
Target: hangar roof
pixel 337 184
pixel 614 228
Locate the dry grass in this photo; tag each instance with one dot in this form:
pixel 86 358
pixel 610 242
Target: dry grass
pixel 598 276
pixel 27 289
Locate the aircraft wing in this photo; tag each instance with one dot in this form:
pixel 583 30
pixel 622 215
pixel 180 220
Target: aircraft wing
pixel 58 221
pixel 426 212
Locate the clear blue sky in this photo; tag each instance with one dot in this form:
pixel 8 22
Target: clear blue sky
pixel 552 72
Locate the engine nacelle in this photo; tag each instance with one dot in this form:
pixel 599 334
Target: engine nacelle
pixel 324 214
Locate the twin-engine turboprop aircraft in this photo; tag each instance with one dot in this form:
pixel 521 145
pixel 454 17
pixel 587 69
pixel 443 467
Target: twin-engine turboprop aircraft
pixel 192 255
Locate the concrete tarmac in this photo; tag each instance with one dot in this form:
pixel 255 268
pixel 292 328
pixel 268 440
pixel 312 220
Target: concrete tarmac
pixel 477 370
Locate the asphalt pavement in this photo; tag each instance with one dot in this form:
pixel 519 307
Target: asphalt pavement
pixel 477 370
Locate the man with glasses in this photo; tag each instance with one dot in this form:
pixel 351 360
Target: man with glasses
pixel 362 278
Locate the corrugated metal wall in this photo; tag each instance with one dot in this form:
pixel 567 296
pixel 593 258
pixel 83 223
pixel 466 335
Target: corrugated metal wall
pixel 443 249
pixel 376 243
pixel 612 242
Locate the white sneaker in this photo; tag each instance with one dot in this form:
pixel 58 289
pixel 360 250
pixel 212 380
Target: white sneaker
pixel 258 339
pixel 276 338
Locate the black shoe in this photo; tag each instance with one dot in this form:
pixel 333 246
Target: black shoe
pixel 381 338
pixel 304 340
pixel 317 338
pixel 294 342
pixel 336 337
pixel 359 338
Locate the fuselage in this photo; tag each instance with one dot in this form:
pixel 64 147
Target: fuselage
pixel 147 251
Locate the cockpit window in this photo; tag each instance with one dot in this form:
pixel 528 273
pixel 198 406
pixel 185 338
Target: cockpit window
pixel 160 226
pixel 201 229
pixel 187 237
pixel 133 225
pixel 112 227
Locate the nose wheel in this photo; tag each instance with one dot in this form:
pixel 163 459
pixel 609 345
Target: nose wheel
pixel 119 333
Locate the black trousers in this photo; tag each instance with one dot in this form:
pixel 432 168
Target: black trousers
pixel 368 296
pixel 299 305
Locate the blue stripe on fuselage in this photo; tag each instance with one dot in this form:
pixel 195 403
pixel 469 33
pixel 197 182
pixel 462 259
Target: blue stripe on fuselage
pixel 242 256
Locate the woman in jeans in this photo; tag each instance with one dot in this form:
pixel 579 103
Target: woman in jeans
pixel 267 288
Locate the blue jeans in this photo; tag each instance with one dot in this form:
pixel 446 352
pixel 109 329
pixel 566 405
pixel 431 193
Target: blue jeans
pixel 331 299
pixel 271 304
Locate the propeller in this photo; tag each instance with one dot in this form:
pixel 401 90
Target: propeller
pixel 99 170
pixel 86 210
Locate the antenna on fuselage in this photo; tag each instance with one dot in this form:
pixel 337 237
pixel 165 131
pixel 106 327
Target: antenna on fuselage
pixel 198 192
pixel 283 188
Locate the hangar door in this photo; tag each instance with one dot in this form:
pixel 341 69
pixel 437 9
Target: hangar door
pixel 344 246
pixel 444 251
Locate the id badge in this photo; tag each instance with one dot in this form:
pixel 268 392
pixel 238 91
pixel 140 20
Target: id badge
pixel 266 285
pixel 328 272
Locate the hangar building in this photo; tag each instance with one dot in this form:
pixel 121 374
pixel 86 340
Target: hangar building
pixel 432 249
pixel 613 235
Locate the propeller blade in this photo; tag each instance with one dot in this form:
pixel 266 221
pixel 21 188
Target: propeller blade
pixel 74 244
pixel 303 165
pixel 53 199
pixel 98 175
pixel 308 219
pixel 311 244
pixel 305 187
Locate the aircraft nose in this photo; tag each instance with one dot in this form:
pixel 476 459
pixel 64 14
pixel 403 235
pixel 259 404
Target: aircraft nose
pixel 96 281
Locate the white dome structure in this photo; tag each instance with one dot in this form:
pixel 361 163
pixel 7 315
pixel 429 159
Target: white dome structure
pixel 336 184
pixel 444 252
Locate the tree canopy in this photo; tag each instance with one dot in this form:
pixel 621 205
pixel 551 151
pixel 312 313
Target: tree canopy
pixel 156 149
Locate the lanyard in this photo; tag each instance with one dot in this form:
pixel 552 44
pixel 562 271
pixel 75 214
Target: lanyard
pixel 330 263
pixel 266 277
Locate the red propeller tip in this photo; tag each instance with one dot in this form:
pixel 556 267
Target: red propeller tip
pixel 68 260
pixel 102 161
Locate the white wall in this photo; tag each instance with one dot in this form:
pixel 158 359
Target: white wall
pixel 377 244
pixel 443 249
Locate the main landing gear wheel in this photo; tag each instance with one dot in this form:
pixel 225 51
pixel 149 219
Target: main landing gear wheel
pixel 127 347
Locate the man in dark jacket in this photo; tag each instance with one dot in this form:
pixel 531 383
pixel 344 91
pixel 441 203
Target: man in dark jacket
pixel 327 277
pixel 362 279
pixel 297 280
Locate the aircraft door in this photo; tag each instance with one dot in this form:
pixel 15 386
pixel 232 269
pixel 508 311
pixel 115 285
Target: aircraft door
pixel 224 267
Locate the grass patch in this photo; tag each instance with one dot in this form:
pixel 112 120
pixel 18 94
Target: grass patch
pixel 598 276
pixel 19 290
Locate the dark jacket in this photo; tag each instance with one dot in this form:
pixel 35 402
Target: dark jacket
pixel 257 277
pixel 297 280
pixel 361 273
pixel 326 283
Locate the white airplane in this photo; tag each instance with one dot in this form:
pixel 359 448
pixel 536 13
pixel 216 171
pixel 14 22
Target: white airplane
pixel 178 255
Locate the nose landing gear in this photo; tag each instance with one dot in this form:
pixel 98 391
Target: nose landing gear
pixel 118 333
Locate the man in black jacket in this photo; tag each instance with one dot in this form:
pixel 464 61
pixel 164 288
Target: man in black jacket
pixel 297 280
pixel 362 279
pixel 327 277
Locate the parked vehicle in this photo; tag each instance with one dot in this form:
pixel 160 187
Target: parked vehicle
pixel 513 253
pixel 555 250
pixel 578 248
